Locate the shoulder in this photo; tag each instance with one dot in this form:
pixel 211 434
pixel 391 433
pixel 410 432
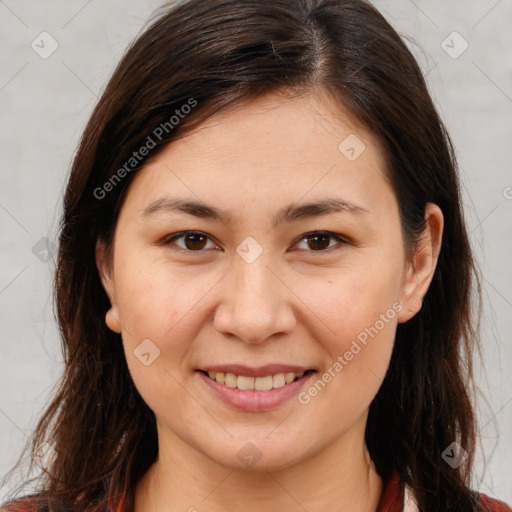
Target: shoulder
pixel 493 505
pixel 394 499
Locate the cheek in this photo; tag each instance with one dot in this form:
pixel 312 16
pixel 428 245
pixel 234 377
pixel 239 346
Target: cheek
pixel 156 301
pixel 356 303
pixel 161 316
pixel 359 310
pixel 160 324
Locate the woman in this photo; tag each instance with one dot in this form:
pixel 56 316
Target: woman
pixel 264 276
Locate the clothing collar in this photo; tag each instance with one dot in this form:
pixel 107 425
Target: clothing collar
pixel 397 497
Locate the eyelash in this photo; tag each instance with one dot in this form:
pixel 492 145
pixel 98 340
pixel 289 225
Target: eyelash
pixel 342 241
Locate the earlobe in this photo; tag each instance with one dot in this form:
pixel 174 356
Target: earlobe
pixel 421 270
pixel 112 315
pixel 112 319
pixel 410 308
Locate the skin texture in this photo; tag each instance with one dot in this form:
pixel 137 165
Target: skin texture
pixel 295 304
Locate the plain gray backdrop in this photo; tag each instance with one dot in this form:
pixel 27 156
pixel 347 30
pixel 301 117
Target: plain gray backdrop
pixel 55 58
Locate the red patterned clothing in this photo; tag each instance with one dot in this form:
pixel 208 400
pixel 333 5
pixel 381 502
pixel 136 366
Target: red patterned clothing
pixel 397 498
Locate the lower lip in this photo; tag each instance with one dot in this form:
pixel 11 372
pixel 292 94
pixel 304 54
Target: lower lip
pixel 249 400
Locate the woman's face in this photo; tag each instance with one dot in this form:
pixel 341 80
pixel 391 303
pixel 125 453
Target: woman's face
pixel 293 262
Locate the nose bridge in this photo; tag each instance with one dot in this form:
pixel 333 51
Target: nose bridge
pixel 255 284
pixel 255 304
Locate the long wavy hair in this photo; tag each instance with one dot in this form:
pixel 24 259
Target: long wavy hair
pixel 100 433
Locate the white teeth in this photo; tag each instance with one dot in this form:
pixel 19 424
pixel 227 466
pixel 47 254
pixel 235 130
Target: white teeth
pixel 278 380
pixel 230 380
pixel 245 383
pixel 263 383
pixel 288 377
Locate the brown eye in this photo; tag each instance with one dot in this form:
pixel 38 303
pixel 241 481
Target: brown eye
pixel 320 241
pixel 193 241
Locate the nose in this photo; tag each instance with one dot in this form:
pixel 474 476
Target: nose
pixel 255 303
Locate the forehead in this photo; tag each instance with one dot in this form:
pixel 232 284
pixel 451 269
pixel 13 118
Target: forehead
pixel 275 148
pixel 284 128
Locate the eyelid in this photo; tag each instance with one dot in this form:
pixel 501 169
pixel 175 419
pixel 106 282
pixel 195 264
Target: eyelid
pixel 170 238
pixel 341 239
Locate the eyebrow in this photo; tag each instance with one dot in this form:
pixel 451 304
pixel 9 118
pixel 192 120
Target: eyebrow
pixel 285 215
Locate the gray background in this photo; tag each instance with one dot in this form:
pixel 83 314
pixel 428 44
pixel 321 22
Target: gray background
pixel 44 104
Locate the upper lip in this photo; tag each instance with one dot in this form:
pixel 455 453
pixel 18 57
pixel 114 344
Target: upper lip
pixel 255 371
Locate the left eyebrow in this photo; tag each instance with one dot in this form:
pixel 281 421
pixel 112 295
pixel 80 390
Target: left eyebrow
pixel 288 214
pixel 318 208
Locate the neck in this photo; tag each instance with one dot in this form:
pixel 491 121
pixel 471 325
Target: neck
pixel 341 478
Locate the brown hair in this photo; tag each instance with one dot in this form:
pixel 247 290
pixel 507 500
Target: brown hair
pixel 220 53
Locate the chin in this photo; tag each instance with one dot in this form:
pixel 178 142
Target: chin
pixel 259 455
pixel 265 464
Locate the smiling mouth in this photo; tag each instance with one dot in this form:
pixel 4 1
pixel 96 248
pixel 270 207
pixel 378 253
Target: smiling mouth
pixel 262 383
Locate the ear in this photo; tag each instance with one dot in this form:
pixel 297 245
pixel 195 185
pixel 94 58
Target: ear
pixel 104 271
pixel 420 271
